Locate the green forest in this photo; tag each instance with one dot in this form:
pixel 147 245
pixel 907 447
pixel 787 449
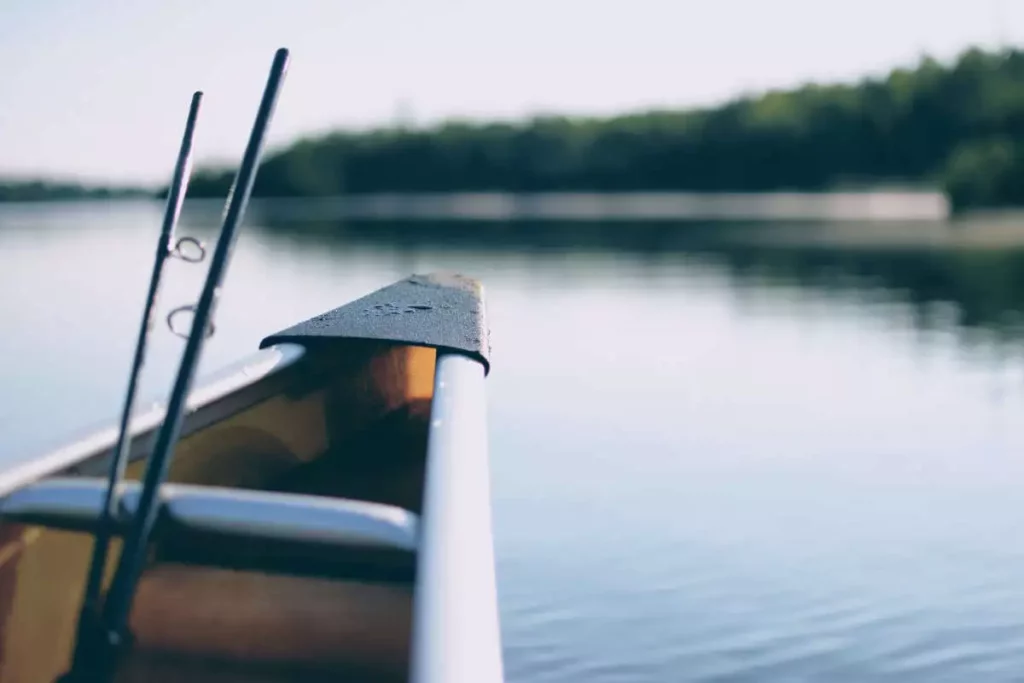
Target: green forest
pixel 958 126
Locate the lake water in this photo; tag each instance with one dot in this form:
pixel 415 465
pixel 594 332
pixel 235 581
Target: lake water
pixel 719 452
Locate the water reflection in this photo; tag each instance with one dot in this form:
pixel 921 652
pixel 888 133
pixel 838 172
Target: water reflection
pixel 976 292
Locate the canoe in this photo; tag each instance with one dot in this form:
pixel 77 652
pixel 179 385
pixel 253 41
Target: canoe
pixel 327 514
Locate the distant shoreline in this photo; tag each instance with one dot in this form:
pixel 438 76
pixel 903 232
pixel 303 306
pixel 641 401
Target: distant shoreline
pixel 36 190
pixel 857 205
pixel 636 206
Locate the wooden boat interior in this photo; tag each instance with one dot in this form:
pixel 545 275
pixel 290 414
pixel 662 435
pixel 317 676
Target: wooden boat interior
pixel 345 420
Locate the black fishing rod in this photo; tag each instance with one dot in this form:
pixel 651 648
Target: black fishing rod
pixel 117 606
pixel 166 247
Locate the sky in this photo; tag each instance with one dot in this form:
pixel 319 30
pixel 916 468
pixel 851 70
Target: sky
pixel 99 90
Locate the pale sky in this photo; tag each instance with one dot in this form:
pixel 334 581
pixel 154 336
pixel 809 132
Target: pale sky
pixel 99 90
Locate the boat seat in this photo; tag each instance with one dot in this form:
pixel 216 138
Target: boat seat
pixel 241 529
pixel 198 624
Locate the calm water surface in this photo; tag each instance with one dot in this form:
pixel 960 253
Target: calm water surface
pixel 712 459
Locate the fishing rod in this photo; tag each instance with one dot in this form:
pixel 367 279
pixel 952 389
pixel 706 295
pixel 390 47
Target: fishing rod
pixel 117 607
pixel 166 247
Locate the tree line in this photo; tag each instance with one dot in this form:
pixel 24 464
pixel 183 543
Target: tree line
pixel 959 126
pixel 40 190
